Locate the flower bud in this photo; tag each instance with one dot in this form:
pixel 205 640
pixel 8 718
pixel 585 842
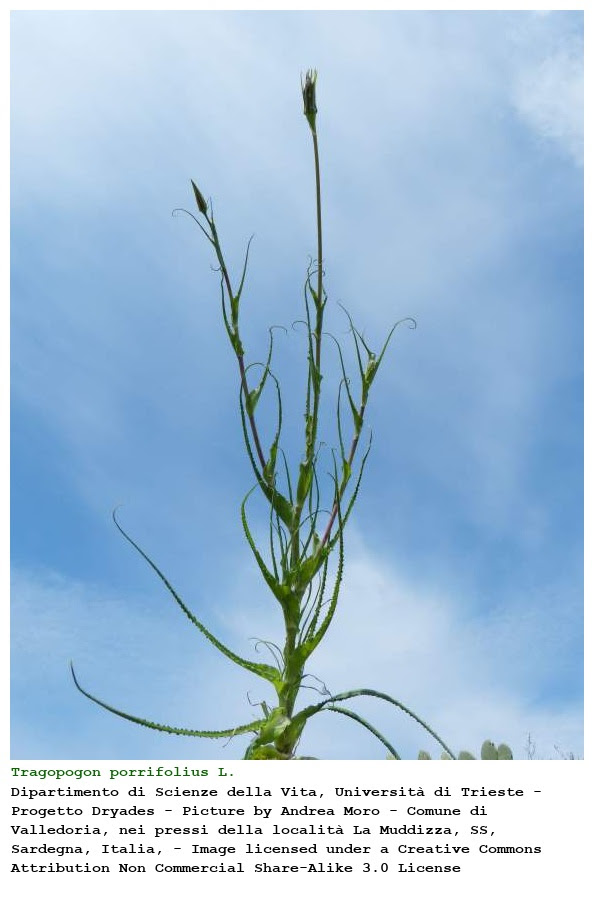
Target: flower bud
pixel 201 202
pixel 308 90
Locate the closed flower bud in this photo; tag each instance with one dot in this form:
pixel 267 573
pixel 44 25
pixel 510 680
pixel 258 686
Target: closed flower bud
pixel 201 202
pixel 309 97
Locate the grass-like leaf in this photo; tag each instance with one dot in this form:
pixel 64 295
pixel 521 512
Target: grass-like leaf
pixel 187 732
pixel 267 672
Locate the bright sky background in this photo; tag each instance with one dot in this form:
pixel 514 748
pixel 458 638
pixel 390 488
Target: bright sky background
pixel 452 183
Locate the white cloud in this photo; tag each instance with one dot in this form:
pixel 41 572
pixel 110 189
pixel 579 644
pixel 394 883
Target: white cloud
pixel 550 96
pixel 547 84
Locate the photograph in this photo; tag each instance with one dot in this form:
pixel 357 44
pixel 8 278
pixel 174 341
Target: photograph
pixel 297 324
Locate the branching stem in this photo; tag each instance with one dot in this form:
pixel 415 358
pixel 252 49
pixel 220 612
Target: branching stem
pixel 299 558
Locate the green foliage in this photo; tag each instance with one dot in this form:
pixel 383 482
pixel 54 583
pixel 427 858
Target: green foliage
pixel 488 751
pixel 303 530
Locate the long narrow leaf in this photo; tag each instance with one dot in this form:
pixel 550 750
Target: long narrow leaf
pixel 307 648
pixel 245 264
pixel 368 692
pixel 308 630
pixel 192 216
pixel 188 732
pixel 280 591
pixel 263 671
pixel 254 395
pixel 345 380
pixel 366 724
pixel 280 503
pixel 351 502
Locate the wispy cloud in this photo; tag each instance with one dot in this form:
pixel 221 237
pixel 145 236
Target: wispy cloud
pixel 548 88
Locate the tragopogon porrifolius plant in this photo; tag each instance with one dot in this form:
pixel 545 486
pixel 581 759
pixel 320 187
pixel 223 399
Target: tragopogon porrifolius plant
pixel 302 535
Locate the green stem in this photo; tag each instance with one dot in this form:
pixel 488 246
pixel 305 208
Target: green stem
pixel 315 382
pixel 345 480
pixel 320 272
pixel 238 353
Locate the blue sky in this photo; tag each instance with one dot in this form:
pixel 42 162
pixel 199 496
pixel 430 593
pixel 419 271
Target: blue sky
pixel 452 186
